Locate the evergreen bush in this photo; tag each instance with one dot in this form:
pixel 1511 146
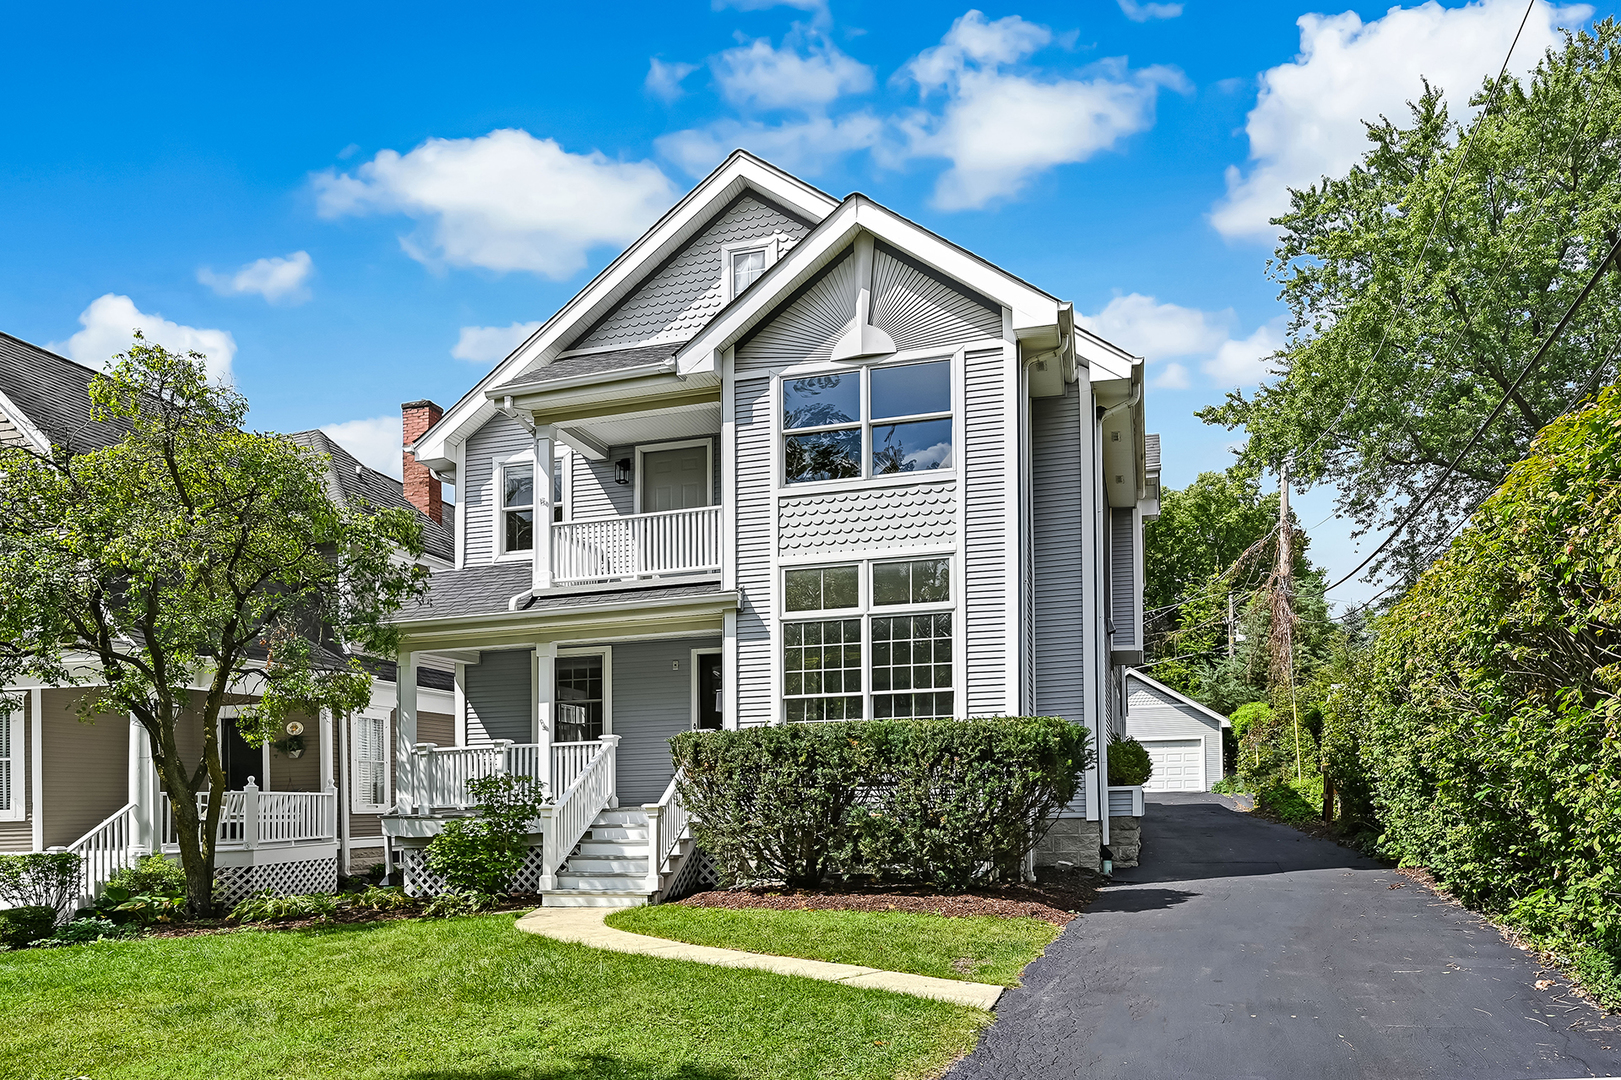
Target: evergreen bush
pixel 40 879
pixel 949 803
pixel 1129 763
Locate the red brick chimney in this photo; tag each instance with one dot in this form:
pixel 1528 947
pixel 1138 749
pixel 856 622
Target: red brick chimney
pixel 421 487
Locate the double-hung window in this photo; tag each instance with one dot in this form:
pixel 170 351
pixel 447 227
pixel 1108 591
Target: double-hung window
pixel 746 268
pixel 868 639
pixel 11 765
pixel 518 507
pixel 368 755
pixel 868 422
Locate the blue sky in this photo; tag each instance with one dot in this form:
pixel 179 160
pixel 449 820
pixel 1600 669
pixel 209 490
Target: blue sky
pixel 350 206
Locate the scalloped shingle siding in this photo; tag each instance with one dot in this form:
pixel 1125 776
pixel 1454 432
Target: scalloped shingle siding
pixel 848 521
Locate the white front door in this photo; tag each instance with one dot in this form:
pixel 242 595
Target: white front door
pixel 675 479
pixel 1178 765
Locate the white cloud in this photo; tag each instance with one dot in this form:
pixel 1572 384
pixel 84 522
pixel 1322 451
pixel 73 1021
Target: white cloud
pixel 1307 122
pixel 503 201
pixel 1144 327
pixel 1174 377
pixel 999 129
pixel 376 442
pixel 758 75
pixel 275 279
pixel 110 323
pixel 487 344
pixel 664 80
pixel 803 146
pixel 1144 12
pixel 1246 362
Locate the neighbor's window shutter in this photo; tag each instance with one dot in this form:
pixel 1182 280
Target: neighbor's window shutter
pixel 11 766
pixel 6 758
pixel 370 763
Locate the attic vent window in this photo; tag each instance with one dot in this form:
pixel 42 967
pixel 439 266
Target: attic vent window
pixel 747 266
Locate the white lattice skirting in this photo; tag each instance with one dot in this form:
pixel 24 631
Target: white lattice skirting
pixel 421 880
pixel 237 883
pixel 697 874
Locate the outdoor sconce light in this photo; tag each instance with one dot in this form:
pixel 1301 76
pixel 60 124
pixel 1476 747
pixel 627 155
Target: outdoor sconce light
pixel 622 471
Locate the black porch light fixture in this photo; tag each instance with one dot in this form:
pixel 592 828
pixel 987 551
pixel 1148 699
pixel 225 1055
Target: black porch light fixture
pixel 622 471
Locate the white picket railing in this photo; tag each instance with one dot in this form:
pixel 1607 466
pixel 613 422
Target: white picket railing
pixel 667 825
pixel 635 546
pixel 251 818
pixel 569 760
pixel 108 848
pixel 439 780
pixel 565 821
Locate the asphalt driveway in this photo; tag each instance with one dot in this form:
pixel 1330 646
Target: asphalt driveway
pixel 1240 948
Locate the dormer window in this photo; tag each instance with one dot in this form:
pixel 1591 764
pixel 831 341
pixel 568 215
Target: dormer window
pixel 745 262
pixel 747 266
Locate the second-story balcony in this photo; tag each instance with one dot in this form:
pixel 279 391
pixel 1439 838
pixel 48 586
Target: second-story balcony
pixel 636 546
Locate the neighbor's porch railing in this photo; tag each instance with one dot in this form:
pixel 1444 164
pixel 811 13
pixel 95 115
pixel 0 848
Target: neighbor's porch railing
pixel 439 781
pixel 636 546
pixel 103 851
pixel 252 818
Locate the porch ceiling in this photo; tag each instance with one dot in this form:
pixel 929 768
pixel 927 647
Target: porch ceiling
pixel 659 425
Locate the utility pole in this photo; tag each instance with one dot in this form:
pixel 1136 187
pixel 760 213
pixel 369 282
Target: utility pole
pixel 1232 627
pixel 1285 613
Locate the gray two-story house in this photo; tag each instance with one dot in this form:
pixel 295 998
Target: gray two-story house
pixel 788 459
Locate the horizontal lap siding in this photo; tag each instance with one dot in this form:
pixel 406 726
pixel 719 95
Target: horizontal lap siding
pixel 1123 588
pixel 1153 714
pixel 988 504
pixel 86 767
pixel 652 702
pixel 1057 513
pixel 498 697
pixel 754 652
pixel 499 438
pixel 595 494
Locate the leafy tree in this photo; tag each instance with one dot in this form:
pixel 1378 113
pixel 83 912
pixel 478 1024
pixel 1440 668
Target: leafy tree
pixel 1413 308
pixel 193 555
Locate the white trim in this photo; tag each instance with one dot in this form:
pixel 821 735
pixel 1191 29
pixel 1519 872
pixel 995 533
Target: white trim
pixel 607 654
pixel 498 468
pixel 707 442
pixel 462 501
pixel 26 426
pixel 17 764
pixel 36 765
pixel 696 653
pixel 771 245
pixel 358 804
pixel 730 698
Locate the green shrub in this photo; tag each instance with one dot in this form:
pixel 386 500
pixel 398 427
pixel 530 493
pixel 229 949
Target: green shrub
pixel 458 902
pixel 40 879
pixel 1129 763
pixel 266 906
pixel 484 853
pixel 22 926
pixel 82 931
pixel 153 890
pixel 150 874
pixel 1286 803
pixel 945 802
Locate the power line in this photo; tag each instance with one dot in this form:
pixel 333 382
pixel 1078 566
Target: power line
pixel 1547 343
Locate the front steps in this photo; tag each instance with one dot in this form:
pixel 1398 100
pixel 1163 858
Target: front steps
pixel 609 867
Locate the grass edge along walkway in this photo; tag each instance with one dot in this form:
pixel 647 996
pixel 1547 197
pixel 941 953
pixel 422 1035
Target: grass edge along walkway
pixel 586 926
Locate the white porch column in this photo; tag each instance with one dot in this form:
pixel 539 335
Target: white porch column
pixel 327 749
pixel 543 692
pixel 545 446
pixel 36 766
pixel 142 787
pixel 405 732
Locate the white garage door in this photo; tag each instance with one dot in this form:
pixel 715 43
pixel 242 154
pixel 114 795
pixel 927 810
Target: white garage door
pixel 1178 766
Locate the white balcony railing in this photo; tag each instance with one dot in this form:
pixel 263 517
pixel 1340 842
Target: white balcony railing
pixel 638 546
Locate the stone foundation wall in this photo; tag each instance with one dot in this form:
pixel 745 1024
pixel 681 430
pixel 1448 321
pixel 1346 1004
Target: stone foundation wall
pixel 1076 841
pixel 1125 840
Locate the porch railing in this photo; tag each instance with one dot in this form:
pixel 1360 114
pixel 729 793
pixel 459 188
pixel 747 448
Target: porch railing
pixel 251 818
pixel 667 826
pixel 637 546
pixel 564 822
pixel 439 780
pixel 108 848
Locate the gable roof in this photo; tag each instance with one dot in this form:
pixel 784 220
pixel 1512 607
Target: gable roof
pixel 350 483
pixel 48 397
pixel 1133 673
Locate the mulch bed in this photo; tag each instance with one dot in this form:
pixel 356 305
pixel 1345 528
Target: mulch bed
pixel 1057 897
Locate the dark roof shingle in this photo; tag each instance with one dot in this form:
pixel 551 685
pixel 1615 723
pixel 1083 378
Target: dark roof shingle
pixel 350 483
pixel 53 392
pixel 602 363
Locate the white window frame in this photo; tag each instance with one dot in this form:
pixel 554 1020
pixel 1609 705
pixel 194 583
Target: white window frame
pixel 771 245
pixel 865 610
pixel 498 525
pixel 17 763
pixel 865 424
pixel 358 804
pixel 653 448
pixel 696 654
pixel 607 654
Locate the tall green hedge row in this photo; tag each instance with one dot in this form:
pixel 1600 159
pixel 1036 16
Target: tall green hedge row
pixel 1487 735
pixel 948 803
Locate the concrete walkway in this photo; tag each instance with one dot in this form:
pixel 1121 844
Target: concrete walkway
pixel 584 926
pixel 1243 949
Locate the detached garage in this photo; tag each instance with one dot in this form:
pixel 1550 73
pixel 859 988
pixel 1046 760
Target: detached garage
pixel 1182 737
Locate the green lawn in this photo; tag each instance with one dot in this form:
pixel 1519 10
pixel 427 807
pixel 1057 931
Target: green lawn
pixel 978 948
pixel 459 999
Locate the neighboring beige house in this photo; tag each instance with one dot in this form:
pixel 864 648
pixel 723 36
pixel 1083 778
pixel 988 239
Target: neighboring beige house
pixel 90 786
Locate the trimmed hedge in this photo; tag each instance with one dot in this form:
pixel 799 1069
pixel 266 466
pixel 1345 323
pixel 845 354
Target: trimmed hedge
pixel 1129 763
pixel 947 803
pixel 22 926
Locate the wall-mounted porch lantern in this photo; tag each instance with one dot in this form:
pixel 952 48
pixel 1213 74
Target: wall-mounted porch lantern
pixel 622 469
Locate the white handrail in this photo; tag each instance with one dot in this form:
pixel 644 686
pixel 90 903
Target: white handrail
pixel 667 825
pixel 564 822
pixel 637 545
pixel 105 850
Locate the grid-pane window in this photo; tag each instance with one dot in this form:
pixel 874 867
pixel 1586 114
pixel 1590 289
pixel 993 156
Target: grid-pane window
pixel 369 753
pixel 920 581
pixel 871 422
pixel 911 665
pixel 747 266
pixel 518 507
pixel 822 670
pixel 579 683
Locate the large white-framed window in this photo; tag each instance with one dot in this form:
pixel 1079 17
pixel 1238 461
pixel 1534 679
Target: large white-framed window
pixel 13 766
pixel 869 639
pixel 744 262
pixel 369 748
pixel 514 524
pixel 584 683
pixel 868 421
